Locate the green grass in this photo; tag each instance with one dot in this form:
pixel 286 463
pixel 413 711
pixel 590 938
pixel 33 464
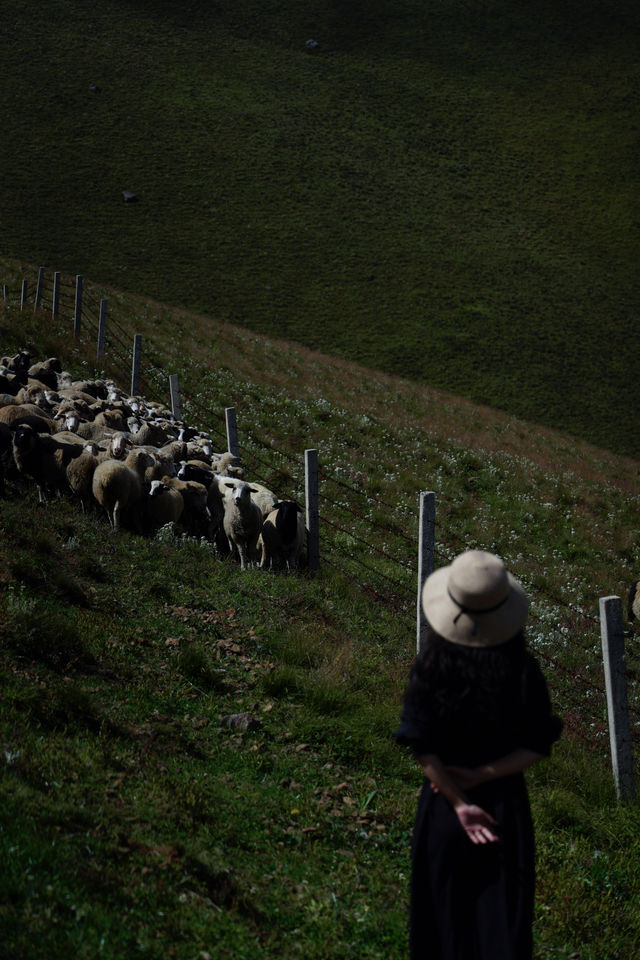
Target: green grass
pixel 137 818
pixel 446 192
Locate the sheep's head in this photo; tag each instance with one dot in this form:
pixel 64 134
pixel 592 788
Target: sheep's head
pixel 157 487
pixel 118 447
pixel 22 361
pixel 24 438
pixel 241 492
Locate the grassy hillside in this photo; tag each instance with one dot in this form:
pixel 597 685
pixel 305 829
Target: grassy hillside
pixel 445 191
pixel 137 818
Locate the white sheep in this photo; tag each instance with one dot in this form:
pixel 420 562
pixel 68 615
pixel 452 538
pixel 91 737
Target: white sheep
pixel 228 465
pixel 242 522
pixel 117 486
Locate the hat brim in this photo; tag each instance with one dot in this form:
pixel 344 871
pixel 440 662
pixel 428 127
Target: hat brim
pixel 478 629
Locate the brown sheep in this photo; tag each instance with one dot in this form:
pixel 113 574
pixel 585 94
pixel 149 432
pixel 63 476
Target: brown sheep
pixel 118 487
pixel 26 413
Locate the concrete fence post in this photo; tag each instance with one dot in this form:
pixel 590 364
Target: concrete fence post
pixel 232 431
pixel 77 319
pixel 612 634
pixel 313 512
pixel 23 294
pixel 426 557
pixel 175 396
pixel 102 329
pixel 39 286
pixel 135 364
pixel 55 296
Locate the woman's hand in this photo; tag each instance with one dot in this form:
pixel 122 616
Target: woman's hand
pixel 477 823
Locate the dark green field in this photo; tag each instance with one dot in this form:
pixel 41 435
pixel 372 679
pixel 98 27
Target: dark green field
pixel 136 821
pixel 448 191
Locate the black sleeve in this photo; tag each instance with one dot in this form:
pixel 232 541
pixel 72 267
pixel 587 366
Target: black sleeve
pixel 418 726
pixel 540 726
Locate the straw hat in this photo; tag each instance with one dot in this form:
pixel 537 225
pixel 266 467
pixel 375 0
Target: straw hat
pixel 475 601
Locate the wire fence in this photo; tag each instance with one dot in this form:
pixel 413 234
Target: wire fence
pixel 371 541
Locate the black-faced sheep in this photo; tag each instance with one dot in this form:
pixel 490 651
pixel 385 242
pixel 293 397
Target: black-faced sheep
pixel 18 365
pixel 46 371
pixel 43 459
pixel 196 517
pixel 9 382
pixel 163 505
pixel 282 537
pixel 215 501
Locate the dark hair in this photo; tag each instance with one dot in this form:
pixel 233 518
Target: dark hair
pixel 447 675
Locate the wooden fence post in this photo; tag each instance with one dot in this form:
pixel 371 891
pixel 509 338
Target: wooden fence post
pixel 313 513
pixel 39 285
pixel 77 320
pixel 232 431
pixel 102 329
pixel 5 292
pixel 135 364
pixel 612 634
pixel 23 294
pixel 175 396
pixel 55 296
pixel 426 552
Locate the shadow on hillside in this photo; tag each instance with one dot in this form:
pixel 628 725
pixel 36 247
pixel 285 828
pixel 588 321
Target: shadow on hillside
pixel 461 33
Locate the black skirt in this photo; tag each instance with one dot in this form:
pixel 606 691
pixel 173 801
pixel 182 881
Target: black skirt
pixel 473 902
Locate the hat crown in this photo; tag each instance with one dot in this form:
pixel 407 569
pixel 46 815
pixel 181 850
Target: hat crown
pixel 478 581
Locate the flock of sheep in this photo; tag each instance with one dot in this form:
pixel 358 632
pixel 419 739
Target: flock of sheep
pixel 90 440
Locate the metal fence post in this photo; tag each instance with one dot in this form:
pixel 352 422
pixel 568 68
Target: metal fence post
pixel 612 634
pixel 175 395
pixel 232 431
pixel 39 285
pixel 55 296
pixel 426 552
pixel 135 364
pixel 77 320
pixel 23 294
pixel 313 513
pixel 102 329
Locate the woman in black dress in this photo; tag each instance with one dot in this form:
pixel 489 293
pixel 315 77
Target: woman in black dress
pixel 476 714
